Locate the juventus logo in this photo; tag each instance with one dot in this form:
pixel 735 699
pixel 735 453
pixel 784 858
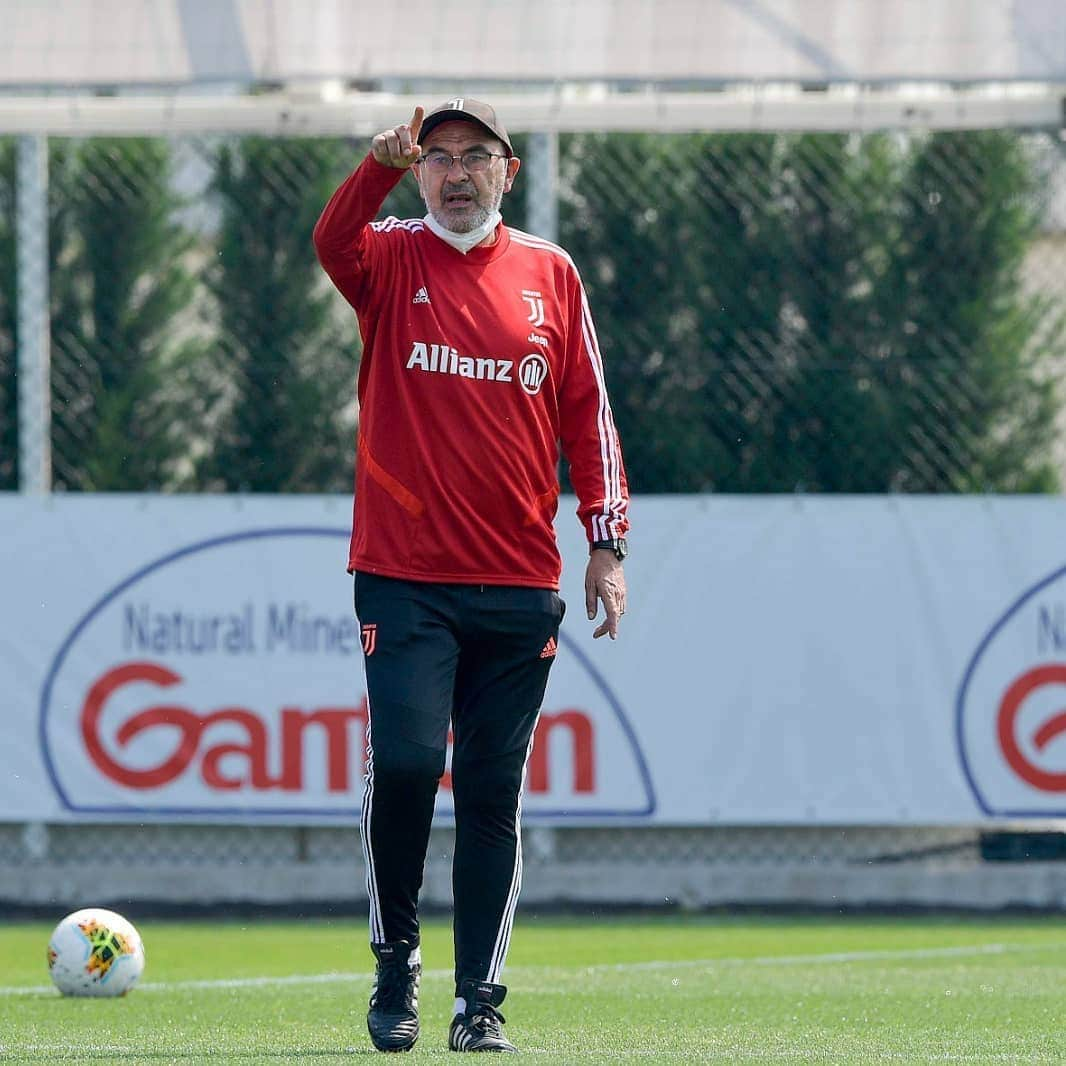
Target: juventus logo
pixel 370 638
pixel 536 306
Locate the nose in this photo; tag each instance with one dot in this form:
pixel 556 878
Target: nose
pixel 457 163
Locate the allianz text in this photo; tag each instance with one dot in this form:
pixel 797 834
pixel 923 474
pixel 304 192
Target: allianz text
pixel 442 359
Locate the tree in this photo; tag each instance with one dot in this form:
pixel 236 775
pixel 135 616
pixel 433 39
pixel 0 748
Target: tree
pixel 822 312
pixel 679 247
pixel 119 289
pixel 979 348
pixel 831 425
pixel 283 368
pixel 920 360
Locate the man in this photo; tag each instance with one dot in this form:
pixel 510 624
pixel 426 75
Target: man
pixel 479 358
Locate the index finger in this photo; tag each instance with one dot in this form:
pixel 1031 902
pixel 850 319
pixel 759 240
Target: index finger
pixel 611 621
pixel 416 123
pixel 608 626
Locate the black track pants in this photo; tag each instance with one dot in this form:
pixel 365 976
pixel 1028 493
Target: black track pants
pixel 474 658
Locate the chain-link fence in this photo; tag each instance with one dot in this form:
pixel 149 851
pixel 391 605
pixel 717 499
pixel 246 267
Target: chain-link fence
pixel 49 868
pixel 778 312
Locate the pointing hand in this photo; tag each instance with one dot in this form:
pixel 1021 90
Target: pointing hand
pixel 399 147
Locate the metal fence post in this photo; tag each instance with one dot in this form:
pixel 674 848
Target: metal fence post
pixel 34 334
pixel 542 192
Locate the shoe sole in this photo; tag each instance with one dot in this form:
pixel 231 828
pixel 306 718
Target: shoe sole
pixel 485 1051
pixel 398 1049
pixel 388 1047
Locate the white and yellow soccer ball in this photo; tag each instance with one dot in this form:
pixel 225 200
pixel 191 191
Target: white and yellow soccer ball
pixel 95 952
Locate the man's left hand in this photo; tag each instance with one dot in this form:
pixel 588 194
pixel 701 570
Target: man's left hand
pixel 605 582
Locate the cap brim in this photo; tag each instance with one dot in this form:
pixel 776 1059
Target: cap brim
pixel 430 123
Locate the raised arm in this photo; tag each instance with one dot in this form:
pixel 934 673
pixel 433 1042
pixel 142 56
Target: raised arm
pixel 342 233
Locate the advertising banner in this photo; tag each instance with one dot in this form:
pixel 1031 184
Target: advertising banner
pixel 783 660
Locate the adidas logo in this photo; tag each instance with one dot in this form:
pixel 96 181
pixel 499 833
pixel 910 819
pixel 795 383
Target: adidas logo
pixel 549 649
pixel 421 297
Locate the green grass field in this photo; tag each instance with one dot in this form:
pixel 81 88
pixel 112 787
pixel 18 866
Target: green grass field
pixel 655 990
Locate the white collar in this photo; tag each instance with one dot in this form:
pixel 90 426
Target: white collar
pixel 463 242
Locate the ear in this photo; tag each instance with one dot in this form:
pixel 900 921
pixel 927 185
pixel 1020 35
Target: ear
pixel 512 169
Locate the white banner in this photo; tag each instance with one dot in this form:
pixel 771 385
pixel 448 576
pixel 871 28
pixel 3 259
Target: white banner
pixel 832 660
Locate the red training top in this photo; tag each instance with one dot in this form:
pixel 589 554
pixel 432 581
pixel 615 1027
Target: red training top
pixel 474 368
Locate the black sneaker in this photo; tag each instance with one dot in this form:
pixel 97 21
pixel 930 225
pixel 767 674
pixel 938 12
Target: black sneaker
pixel 393 1015
pixel 480 1027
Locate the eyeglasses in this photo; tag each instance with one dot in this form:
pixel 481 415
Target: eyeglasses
pixel 473 161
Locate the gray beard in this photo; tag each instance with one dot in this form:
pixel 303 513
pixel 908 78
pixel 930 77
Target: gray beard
pixel 465 225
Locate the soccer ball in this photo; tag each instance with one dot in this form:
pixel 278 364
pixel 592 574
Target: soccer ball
pixel 94 952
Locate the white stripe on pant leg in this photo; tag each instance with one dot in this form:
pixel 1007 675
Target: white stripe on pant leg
pixel 377 925
pixel 503 939
pixel 503 936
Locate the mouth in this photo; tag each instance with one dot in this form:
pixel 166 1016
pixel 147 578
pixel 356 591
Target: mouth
pixel 458 200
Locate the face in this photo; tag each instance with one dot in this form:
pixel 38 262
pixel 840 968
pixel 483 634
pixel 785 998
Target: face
pixel 457 200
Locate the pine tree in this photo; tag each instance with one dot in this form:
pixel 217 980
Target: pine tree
pixel 823 312
pixel 119 289
pixel 285 360
pixel 682 259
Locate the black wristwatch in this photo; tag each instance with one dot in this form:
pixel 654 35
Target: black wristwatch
pixel 618 546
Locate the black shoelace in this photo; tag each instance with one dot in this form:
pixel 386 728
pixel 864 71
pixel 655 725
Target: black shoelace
pixel 487 1020
pixel 395 990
